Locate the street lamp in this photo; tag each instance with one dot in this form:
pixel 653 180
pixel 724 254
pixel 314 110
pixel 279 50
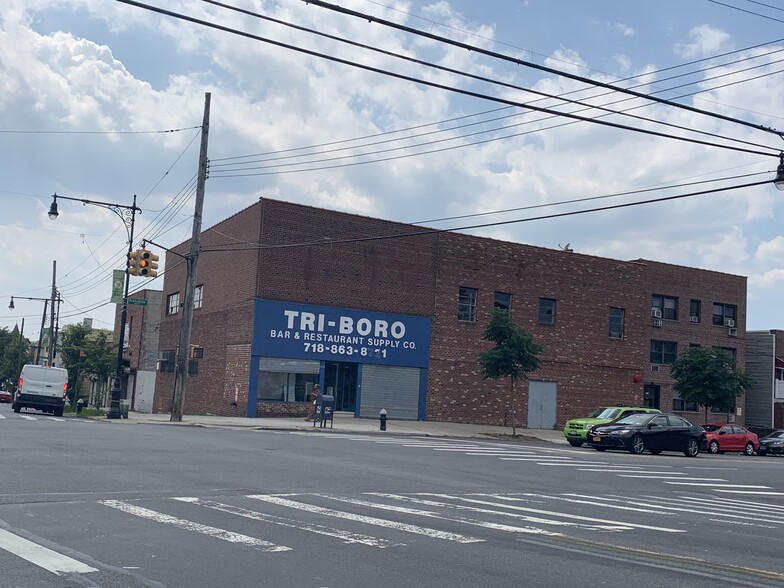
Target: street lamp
pixel 53 327
pixel 779 181
pixel 127 215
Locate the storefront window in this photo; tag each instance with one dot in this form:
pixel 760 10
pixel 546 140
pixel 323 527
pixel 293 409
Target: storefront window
pixel 286 381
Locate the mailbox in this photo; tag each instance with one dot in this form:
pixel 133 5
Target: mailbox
pixel 325 410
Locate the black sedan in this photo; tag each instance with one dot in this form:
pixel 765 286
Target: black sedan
pixel 653 432
pixel 772 443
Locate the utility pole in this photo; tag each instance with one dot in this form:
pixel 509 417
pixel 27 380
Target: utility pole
pixel 181 372
pixel 50 354
pixel 41 334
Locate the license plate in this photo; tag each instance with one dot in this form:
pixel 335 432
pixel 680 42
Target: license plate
pixel 572 432
pixel 597 439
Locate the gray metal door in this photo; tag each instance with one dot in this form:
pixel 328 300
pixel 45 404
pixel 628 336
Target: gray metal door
pixel 542 402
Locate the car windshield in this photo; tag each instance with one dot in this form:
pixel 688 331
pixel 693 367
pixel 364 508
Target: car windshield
pixel 775 435
pixel 711 428
pixel 607 413
pixel 634 419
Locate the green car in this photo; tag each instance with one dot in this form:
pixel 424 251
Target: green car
pixel 576 430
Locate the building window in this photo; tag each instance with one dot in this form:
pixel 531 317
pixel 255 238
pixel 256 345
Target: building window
pixel 666 305
pixel 663 352
pixel 694 311
pixel 547 311
pixel 166 360
pixel 503 301
pixel 172 304
pixel 286 380
pixel 466 309
pixel 724 315
pixel 198 296
pixel 616 323
pixel 681 405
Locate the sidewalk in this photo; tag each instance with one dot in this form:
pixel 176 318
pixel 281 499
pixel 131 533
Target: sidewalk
pixel 346 423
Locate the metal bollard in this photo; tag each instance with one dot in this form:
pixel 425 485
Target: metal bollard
pixel 382 418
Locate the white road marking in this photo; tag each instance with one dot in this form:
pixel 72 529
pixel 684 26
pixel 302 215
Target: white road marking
pixel 159 517
pixel 558 514
pixel 576 501
pixel 433 533
pixel 499 453
pixel 760 492
pixel 710 468
pixel 42 556
pixel 56 419
pixel 718 485
pixel 511 529
pixel 2 418
pixel 614 469
pixel 690 506
pixel 754 507
pixel 539 458
pixel 345 536
pixel 665 475
pixel 571 464
pixel 28 418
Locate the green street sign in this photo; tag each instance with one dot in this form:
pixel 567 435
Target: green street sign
pixel 137 301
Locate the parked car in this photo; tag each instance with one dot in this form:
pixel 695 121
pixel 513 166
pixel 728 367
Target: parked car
pixel 721 437
pixel 5 396
pixel 772 443
pixel 576 430
pixel 652 432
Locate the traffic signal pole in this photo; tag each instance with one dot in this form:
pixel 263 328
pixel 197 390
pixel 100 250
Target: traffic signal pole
pixel 191 261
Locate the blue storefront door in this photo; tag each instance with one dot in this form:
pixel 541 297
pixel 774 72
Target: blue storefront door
pixel 341 379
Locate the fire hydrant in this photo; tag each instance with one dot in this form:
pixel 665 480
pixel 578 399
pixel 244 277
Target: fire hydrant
pixel 382 419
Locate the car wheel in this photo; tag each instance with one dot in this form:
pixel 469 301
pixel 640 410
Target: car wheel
pixel 17 408
pixel 761 452
pixel 575 443
pixel 58 411
pixel 749 449
pixel 692 447
pixel 713 447
pixel 600 448
pixel 637 445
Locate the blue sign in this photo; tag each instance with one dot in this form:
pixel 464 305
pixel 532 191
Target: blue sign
pixel 307 331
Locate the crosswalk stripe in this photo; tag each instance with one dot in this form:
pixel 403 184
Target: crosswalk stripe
pixel 28 418
pixel 159 517
pixel 557 514
pixel 2 418
pixel 434 533
pixel 534 530
pixel 719 485
pixel 345 536
pixel 42 556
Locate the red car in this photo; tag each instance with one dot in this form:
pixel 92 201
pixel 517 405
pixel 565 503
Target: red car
pixel 5 396
pixel 723 437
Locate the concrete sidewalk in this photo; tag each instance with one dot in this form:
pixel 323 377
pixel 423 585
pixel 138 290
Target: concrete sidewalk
pixel 347 423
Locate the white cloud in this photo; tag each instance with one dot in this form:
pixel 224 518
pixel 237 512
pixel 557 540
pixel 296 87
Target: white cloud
pixel 704 40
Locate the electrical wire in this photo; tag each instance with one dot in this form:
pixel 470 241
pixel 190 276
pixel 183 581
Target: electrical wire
pixel 747 11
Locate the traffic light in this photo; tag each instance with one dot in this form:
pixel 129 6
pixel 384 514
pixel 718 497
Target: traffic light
pixel 147 264
pixel 134 261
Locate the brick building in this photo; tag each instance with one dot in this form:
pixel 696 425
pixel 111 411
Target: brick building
pixel 390 315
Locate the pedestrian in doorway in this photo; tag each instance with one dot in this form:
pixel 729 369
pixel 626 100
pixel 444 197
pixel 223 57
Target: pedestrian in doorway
pixel 314 394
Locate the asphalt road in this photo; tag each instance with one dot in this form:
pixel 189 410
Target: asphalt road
pixel 89 503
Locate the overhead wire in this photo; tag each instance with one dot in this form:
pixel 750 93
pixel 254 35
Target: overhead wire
pixel 449 88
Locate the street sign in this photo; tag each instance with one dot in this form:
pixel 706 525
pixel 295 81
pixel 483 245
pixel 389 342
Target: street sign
pixel 137 301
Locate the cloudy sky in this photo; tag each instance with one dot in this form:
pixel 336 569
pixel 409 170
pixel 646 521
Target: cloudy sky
pixel 103 100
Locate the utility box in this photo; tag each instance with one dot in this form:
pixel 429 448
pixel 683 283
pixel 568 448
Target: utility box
pixel 325 410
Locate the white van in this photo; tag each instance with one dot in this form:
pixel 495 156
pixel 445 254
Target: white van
pixel 42 388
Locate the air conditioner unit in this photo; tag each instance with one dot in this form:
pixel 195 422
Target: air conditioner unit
pixel 729 323
pixel 657 322
pixel 732 332
pixel 654 367
pixel 656 312
pixel 694 319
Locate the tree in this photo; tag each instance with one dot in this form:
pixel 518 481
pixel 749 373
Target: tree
pixel 707 376
pixel 515 354
pixel 14 353
pixel 85 353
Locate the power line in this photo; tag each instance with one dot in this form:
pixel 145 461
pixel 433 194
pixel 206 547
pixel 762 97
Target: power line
pixel 748 11
pixel 485 225
pixel 371 18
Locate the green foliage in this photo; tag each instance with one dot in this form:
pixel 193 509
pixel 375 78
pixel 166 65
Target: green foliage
pixel 85 353
pixel 14 353
pixel 515 353
pixel 707 376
